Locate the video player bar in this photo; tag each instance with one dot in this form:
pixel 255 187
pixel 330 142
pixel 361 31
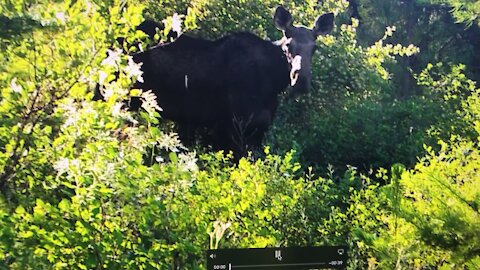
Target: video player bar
pixel 291 258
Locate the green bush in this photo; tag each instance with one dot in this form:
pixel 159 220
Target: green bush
pixel 76 191
pixel 351 116
pixel 432 211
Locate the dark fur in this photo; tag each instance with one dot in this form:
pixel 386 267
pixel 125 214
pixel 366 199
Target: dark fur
pixel 232 85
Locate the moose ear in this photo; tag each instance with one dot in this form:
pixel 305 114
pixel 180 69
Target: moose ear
pixel 323 25
pixel 282 18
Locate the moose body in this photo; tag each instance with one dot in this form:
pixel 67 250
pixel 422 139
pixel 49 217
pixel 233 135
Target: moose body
pixel 230 85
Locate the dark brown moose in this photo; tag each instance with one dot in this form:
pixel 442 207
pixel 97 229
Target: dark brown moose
pixel 230 86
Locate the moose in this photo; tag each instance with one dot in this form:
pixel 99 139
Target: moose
pixel 231 86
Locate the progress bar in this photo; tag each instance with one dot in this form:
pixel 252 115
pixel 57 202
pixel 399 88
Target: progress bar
pixel 274 265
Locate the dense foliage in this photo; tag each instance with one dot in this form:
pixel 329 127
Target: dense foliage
pixel 88 184
pixel 465 11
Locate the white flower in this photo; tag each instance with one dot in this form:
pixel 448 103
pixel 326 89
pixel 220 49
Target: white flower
pixel 170 142
pixel 61 165
pixel 15 87
pixel 61 17
pixel 69 109
pixel 133 69
pixel 159 159
pixel 101 77
pixel 107 93
pixel 219 228
pixel 116 110
pixel 150 102
pixel 75 163
pixel 390 30
pixel 113 58
pixel 71 120
pixel 109 171
pixel 284 41
pixel 87 108
pixel 296 66
pixel 284 45
pixel 297 63
pixel 177 23
pixel 188 162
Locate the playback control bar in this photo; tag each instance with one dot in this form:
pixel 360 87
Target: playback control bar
pixel 291 258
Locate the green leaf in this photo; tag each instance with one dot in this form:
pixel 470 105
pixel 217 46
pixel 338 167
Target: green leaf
pixel 173 157
pixel 64 205
pixel 20 210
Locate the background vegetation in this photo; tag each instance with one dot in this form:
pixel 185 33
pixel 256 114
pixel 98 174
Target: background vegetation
pixel 382 155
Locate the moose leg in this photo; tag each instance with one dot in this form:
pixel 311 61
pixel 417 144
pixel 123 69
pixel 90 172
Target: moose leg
pixel 186 132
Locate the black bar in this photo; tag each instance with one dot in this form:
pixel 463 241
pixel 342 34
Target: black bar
pixel 291 258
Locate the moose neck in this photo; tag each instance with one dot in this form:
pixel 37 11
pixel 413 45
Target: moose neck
pixel 280 67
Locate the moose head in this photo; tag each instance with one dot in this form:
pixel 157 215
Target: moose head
pixel 298 44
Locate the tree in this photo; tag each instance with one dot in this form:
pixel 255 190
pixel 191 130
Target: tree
pixel 464 11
